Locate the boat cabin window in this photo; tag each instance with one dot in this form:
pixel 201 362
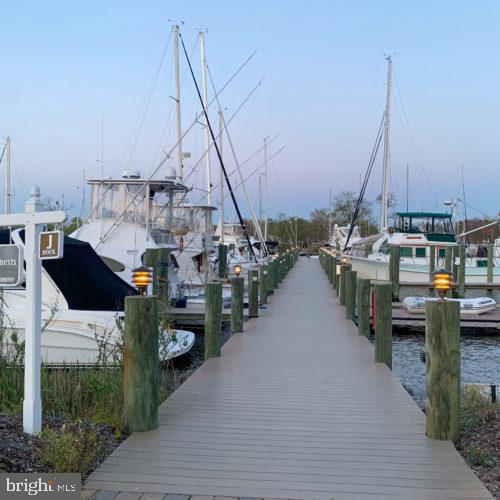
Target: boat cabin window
pixel 420 252
pixel 442 253
pixel 406 252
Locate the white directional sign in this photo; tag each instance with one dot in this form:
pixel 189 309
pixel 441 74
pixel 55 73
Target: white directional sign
pixel 34 220
pixel 11 265
pixel 51 245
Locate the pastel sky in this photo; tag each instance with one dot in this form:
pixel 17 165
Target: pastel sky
pixel 324 91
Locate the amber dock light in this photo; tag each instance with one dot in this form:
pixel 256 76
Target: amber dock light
pixel 442 281
pixel 141 278
pixel 237 270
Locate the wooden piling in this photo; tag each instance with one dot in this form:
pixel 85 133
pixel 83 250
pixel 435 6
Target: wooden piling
pixel 343 269
pixel 237 292
pixel 337 279
pixel 151 260
pixel 253 293
pixel 432 262
pixel 140 364
pixel 363 302
pixel 461 272
pixel 263 284
pixel 213 318
pixel 222 258
pixel 442 336
pixel 448 259
pixel 489 270
pixel 350 295
pixel 383 323
pixel 162 280
pixel 394 261
pixel 333 272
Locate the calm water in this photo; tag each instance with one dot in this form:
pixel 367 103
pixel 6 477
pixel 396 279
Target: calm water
pixel 480 361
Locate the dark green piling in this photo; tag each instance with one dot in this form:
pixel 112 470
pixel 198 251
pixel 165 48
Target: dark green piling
pixel 140 364
pixel 213 319
pixel 383 323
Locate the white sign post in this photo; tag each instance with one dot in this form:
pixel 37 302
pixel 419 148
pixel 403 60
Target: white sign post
pixel 34 221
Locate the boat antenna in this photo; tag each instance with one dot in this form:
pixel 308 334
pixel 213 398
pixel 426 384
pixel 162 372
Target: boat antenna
pixel 209 125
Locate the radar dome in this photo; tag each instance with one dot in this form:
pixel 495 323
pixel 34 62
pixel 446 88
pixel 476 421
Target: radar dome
pixel 170 173
pixel 131 174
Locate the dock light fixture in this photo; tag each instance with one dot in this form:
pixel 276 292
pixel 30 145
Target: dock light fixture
pixel 237 270
pixel 141 278
pixel 442 281
pixel 344 260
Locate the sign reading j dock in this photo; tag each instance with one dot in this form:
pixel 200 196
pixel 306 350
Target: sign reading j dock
pixel 51 245
pixel 11 265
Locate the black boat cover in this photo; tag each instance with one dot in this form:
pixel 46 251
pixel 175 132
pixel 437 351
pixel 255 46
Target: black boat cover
pixel 83 278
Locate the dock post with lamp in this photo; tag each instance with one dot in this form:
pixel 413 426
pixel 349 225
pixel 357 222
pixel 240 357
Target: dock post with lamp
pixel 253 293
pixel 333 272
pixel 237 291
pixel 344 266
pixel 337 277
pixel 363 302
pixel 140 357
pixel 394 261
pixel 383 323
pixel 213 318
pixel 263 284
pixel 442 337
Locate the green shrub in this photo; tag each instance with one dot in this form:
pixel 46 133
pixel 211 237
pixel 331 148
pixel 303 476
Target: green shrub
pixel 477 456
pixel 72 448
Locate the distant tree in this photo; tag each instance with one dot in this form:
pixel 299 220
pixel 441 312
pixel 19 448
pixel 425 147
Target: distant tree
pixel 343 208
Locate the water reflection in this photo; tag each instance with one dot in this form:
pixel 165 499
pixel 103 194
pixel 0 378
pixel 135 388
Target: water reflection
pixel 480 361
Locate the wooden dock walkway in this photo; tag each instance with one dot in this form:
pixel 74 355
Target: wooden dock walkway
pixel 294 408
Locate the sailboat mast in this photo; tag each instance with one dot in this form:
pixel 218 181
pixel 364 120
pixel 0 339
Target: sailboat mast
pixel 180 173
pixel 205 105
pixel 7 177
pixel 330 217
pixel 221 189
pixel 407 187
pixel 387 145
pixel 265 189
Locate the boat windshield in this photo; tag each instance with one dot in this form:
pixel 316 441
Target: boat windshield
pixel 427 223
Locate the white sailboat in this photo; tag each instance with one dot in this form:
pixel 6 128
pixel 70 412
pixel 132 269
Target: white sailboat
pixel 414 232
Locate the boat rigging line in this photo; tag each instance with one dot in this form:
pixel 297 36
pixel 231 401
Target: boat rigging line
pixel 359 201
pixel 209 125
pixel 238 168
pixel 162 162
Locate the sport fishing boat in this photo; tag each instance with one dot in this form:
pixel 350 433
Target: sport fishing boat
pixel 415 233
pixel 82 310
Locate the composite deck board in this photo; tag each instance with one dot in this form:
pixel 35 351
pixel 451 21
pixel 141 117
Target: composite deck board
pixel 294 408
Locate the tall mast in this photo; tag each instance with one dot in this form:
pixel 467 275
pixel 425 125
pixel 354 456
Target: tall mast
pixel 265 189
pixel 205 105
pixel 180 173
pixel 407 187
pixel 7 192
pixel 221 188
pixel 387 145
pixel 330 217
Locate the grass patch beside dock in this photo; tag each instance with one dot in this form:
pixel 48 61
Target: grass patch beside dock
pixel 480 441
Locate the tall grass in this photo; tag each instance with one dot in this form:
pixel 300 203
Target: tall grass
pixel 92 393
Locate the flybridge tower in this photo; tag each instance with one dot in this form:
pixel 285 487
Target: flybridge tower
pixel 387 145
